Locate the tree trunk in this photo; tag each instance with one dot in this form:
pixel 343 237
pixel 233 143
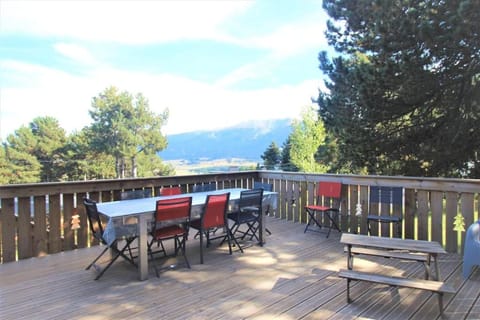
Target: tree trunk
pixel 120 167
pixel 134 167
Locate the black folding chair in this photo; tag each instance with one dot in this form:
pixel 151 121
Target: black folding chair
pixel 385 209
pixel 97 229
pixel 210 186
pixel 136 194
pixel 248 214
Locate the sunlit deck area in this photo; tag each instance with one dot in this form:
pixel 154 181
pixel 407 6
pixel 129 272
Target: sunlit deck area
pixel 294 276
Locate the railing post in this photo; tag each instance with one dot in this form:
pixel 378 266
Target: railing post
pixel 40 236
pixel 409 215
pixel 422 215
pixel 24 235
pixel 68 233
pixel 9 228
pixel 54 219
pixel 451 207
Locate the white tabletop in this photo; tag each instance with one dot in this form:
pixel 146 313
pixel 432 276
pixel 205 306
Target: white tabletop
pixel 125 208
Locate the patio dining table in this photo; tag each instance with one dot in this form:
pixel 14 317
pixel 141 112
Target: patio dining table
pixel 142 212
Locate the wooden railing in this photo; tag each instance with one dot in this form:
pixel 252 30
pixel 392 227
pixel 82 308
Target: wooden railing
pixel 44 218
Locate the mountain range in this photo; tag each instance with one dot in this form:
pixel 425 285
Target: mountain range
pixel 246 141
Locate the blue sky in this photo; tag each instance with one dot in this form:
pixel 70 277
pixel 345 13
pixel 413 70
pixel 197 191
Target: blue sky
pixel 212 64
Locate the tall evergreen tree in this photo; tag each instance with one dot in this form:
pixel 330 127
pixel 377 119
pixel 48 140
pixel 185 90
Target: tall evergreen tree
pixel 80 162
pixel 18 166
pixel 41 140
pixel 285 162
pixel 123 126
pixel 404 94
pixel 50 138
pixel 271 156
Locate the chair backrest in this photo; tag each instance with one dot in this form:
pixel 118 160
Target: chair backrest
pixel 329 194
pixel 211 186
pixel 93 218
pixel 264 186
pixel 329 189
pixel 387 196
pixel 136 194
pixel 170 191
pixel 215 212
pixel 393 195
pixel 251 198
pixel 173 209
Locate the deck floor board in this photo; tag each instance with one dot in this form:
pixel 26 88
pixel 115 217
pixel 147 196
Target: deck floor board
pixel 293 276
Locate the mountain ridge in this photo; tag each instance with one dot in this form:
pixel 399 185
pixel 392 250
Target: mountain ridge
pixel 244 141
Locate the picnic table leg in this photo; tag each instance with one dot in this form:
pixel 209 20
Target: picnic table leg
pixel 428 269
pixel 440 302
pixel 349 257
pixel 348 290
pixel 437 271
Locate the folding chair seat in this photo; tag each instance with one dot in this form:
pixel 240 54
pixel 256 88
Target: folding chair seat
pixel 248 214
pixel 171 222
pixel 97 230
pixel 327 204
pixel 385 208
pixel 214 216
pixel 265 187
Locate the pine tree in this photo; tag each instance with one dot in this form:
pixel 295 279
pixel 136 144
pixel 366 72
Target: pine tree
pixel 271 156
pixel 404 95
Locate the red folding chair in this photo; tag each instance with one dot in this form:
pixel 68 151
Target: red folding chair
pixel 170 191
pixel 327 204
pixel 172 222
pixel 214 217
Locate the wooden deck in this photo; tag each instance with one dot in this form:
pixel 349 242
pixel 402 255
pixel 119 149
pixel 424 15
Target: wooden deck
pixel 294 276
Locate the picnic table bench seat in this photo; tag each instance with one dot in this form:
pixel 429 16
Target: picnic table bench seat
pixel 434 286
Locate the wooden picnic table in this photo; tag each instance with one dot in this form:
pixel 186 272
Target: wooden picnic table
pixel 422 251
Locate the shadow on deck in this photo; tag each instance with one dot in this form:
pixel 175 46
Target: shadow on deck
pixel 294 276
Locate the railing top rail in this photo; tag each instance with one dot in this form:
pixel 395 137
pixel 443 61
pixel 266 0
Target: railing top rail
pixel 421 183
pixel 35 189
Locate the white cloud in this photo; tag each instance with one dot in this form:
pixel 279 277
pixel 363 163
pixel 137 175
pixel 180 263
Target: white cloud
pixel 291 38
pixel 75 52
pixel 248 71
pixel 36 90
pixel 127 22
pixel 193 105
pixel 43 92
